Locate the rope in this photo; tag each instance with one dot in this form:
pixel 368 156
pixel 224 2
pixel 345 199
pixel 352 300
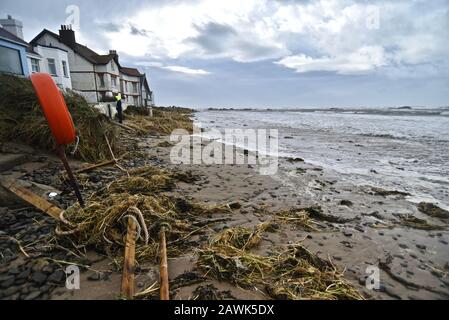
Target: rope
pixel 76 145
pixel 139 228
pixel 142 222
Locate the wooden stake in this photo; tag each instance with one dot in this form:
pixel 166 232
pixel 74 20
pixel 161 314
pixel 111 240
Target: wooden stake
pixel 95 166
pixel 127 289
pixel 164 267
pixel 33 199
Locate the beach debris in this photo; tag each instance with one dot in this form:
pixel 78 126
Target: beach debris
pixel 384 193
pixel 96 166
pixel 164 294
pixel 294 160
pixel 347 203
pixel 417 223
pixel 433 210
pixel 164 144
pixel 163 121
pixel 299 217
pixel 99 224
pixel 295 273
pixel 21 118
pixel 307 218
pixel 210 292
pixel 127 286
pixel 33 199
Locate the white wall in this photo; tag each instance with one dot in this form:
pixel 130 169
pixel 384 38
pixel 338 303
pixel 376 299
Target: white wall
pixel 64 82
pixel 128 89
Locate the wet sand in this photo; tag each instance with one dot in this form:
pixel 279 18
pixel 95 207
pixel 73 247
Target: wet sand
pixel 413 263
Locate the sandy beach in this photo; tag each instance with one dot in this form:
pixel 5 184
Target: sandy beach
pixel 357 228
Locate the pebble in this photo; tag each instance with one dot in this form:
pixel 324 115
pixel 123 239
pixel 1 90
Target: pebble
pixel 347 233
pixel 7 282
pixel 10 291
pixel 33 295
pixel 56 277
pixel 38 277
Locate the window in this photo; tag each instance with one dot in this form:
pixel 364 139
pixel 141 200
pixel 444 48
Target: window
pixel 114 81
pixel 134 87
pixel 135 101
pixel 35 65
pixel 64 69
pixel 101 76
pixel 52 67
pixel 112 66
pixel 10 60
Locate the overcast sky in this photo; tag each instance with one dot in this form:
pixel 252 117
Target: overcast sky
pixel 260 53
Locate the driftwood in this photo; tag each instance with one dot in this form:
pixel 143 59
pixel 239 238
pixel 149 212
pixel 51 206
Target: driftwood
pixel 95 166
pixel 33 199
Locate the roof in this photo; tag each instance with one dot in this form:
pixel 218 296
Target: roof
pixel 80 49
pixel 131 72
pixel 145 83
pixel 9 36
pixel 34 41
pixel 5 34
pixel 30 50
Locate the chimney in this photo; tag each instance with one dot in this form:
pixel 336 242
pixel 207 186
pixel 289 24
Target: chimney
pixel 12 25
pixel 111 52
pixel 67 35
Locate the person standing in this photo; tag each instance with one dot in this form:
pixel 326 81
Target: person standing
pixel 118 97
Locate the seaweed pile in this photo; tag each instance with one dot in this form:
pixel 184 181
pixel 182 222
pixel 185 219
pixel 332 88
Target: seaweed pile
pixel 164 121
pixel 295 273
pixel 21 118
pixel 102 223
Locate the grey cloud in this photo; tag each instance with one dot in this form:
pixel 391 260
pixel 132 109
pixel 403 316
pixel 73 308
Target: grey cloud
pixel 109 26
pixel 213 37
pixel 220 40
pixel 138 32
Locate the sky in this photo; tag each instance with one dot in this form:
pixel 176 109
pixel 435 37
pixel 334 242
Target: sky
pixel 266 53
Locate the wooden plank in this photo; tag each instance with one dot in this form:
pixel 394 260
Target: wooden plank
pixel 165 295
pixel 33 199
pixel 127 289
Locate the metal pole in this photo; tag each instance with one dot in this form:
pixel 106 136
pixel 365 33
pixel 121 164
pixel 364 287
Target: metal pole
pixel 72 179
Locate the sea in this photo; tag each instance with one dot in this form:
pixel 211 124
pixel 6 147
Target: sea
pixel 404 149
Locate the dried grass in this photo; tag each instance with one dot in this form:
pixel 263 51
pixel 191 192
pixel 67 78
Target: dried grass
pixel 295 273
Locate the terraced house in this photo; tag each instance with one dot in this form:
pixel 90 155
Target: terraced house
pixel 97 77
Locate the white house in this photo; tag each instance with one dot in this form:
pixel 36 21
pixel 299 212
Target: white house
pixel 53 61
pixel 97 77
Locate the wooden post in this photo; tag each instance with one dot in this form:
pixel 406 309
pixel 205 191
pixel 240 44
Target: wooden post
pixel 164 267
pixel 72 179
pixel 33 199
pixel 127 289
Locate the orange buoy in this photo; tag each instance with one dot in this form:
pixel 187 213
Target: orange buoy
pixel 55 109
